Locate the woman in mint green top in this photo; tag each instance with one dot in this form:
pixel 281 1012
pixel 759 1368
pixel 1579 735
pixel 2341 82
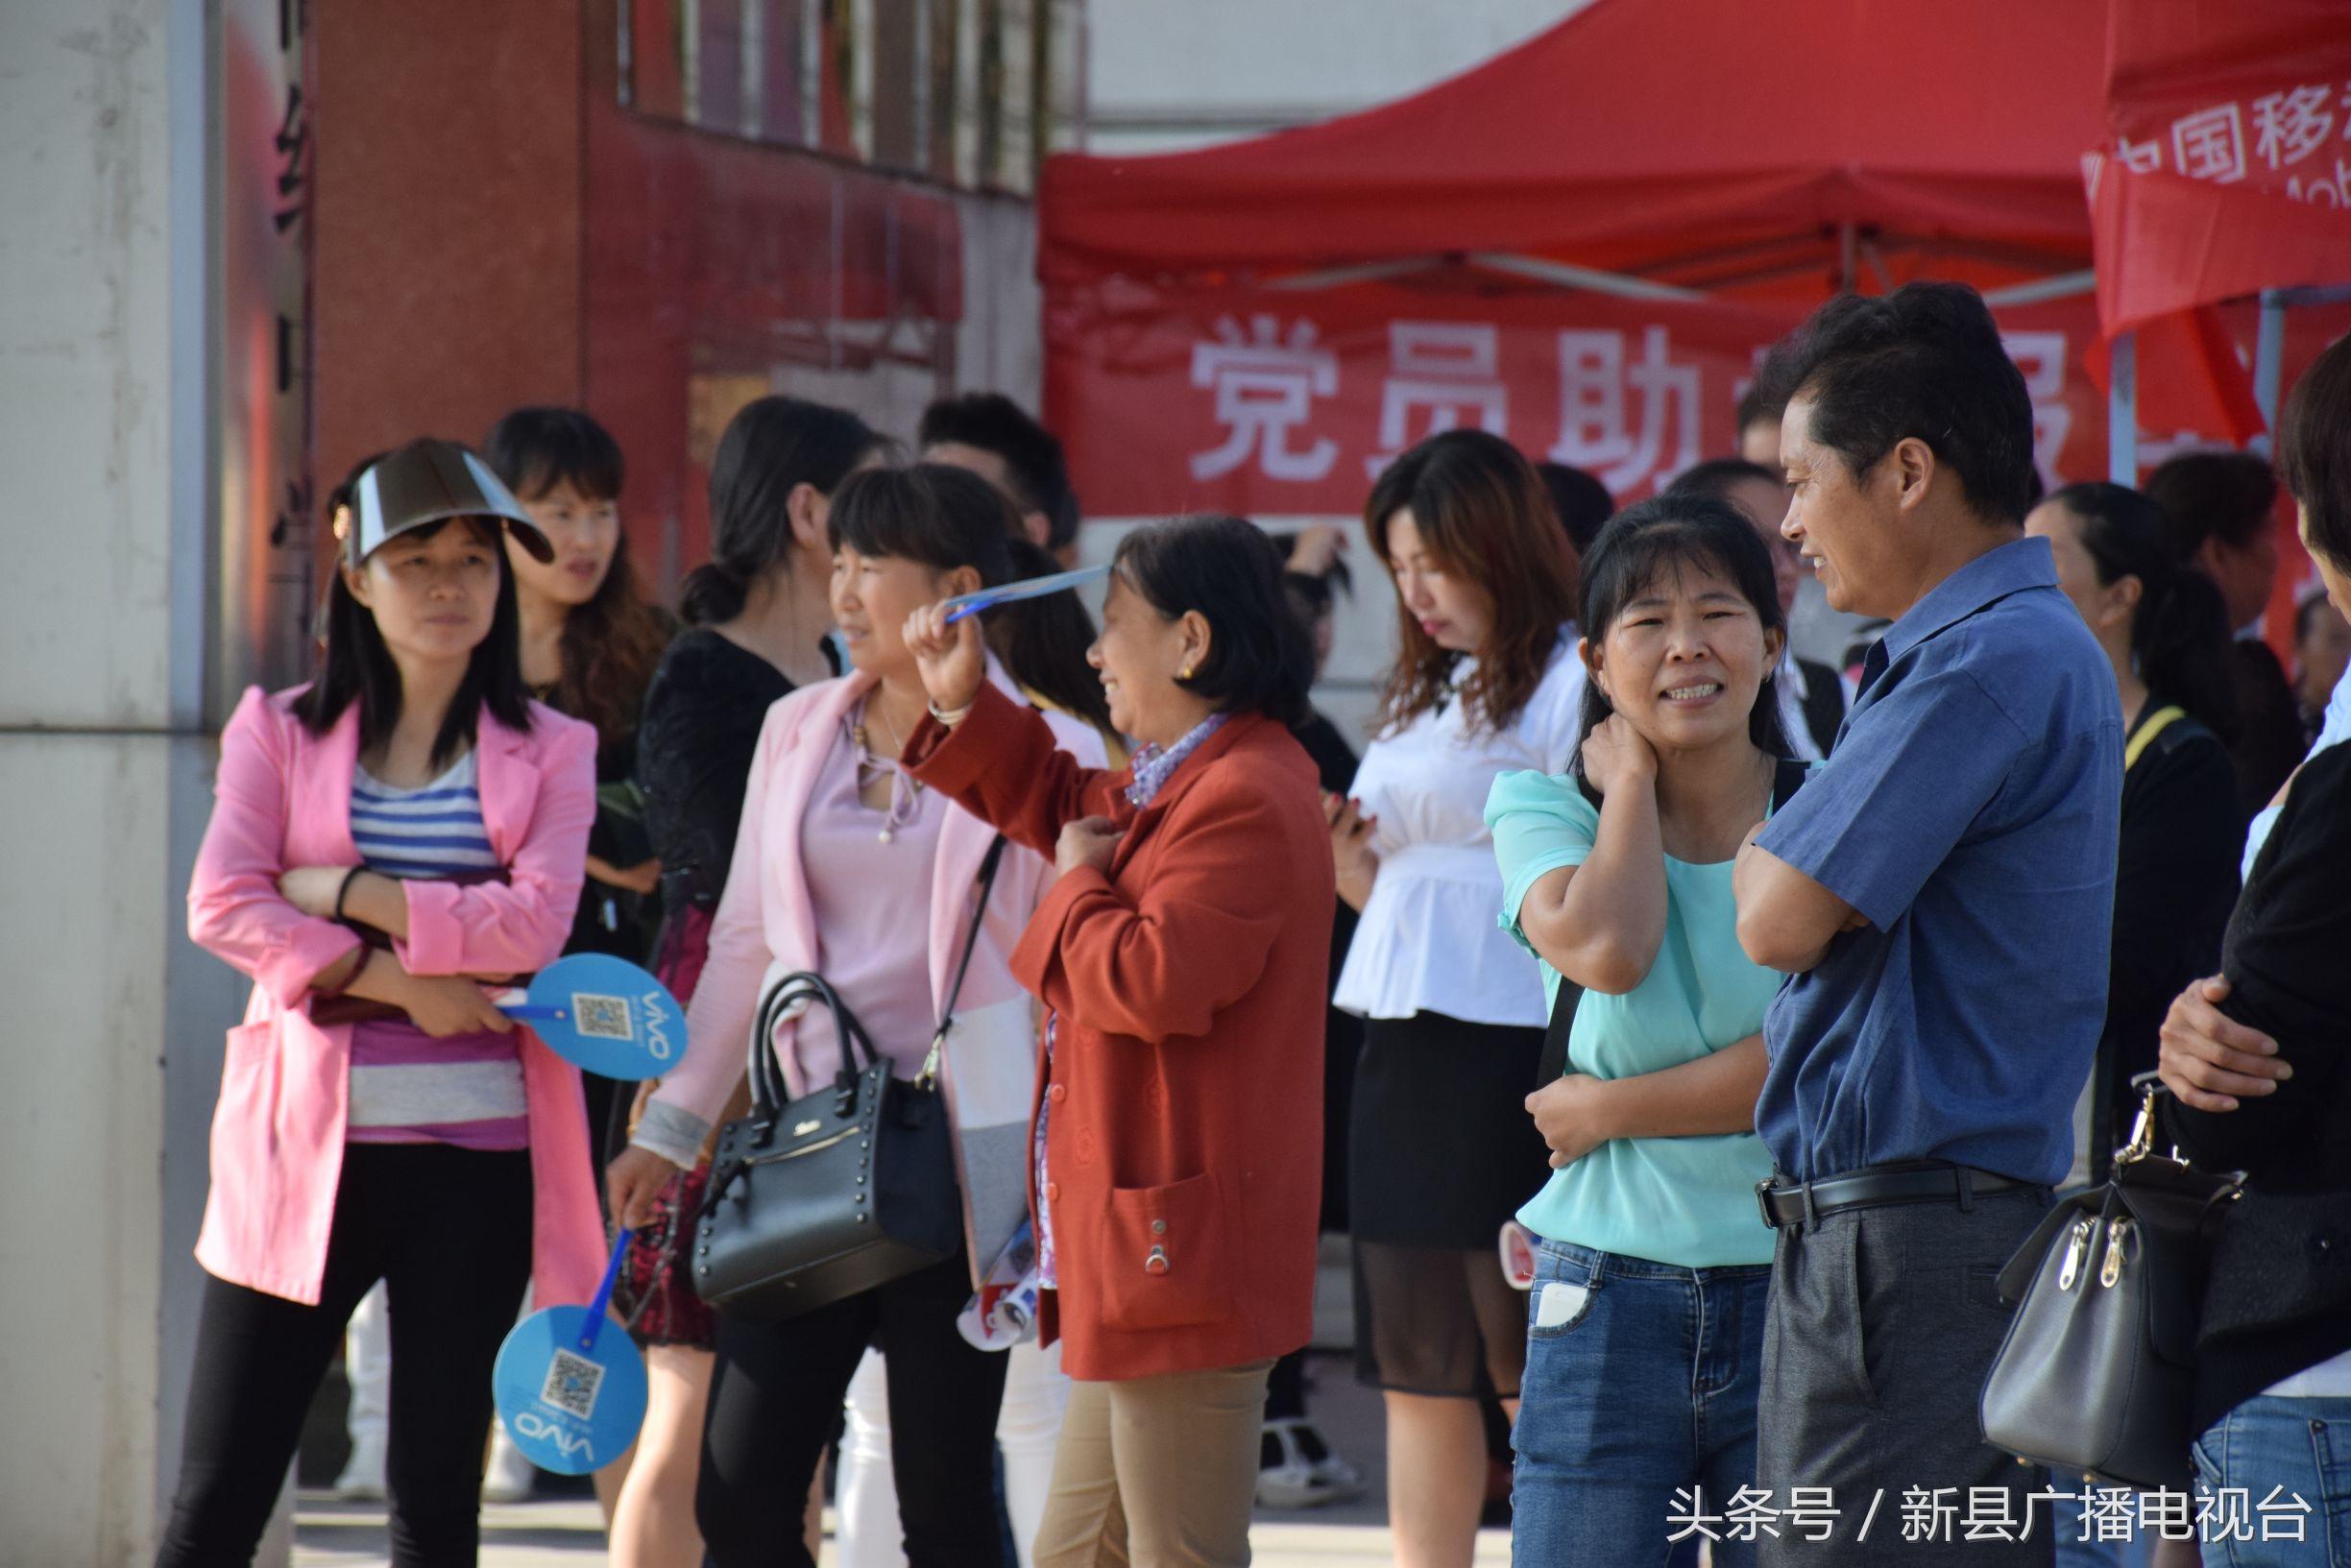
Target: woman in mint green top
pixel 1646 1324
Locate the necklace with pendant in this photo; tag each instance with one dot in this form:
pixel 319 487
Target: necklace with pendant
pixel 903 804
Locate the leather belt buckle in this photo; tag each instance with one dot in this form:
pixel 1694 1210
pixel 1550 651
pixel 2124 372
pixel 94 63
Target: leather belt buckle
pixel 1763 1197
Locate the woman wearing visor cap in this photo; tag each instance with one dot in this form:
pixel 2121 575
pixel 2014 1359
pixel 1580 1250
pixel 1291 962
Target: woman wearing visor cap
pixel 386 843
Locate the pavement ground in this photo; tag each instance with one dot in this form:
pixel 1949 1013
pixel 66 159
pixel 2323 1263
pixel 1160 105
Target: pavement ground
pixel 568 1532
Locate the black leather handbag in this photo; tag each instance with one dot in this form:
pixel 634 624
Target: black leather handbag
pixel 815 1200
pixel 2097 1372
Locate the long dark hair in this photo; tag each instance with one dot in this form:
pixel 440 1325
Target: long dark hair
pixel 1481 509
pixel 611 645
pixel 1259 659
pixel 354 666
pixel 770 447
pixel 2179 633
pixel 1653 540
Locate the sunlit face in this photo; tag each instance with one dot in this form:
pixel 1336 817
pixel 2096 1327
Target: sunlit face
pixel 1138 656
pixel 1843 524
pixel 2107 607
pixel 1682 662
pixel 872 596
pixel 586 534
pixel 1765 503
pixel 434 591
pixel 1456 612
pixel 992 468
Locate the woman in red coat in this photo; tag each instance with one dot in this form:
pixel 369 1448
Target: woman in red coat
pixel 1182 955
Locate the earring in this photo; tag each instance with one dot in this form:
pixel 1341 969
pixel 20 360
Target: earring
pixel 1184 674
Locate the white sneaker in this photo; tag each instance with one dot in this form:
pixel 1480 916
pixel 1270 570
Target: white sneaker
pixel 510 1476
pixel 362 1480
pixel 1296 1468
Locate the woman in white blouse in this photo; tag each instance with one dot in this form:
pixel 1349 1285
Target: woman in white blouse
pixel 1486 681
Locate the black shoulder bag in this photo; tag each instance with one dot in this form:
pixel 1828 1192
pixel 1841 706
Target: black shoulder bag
pixel 1553 1062
pixel 839 1190
pixel 2097 1372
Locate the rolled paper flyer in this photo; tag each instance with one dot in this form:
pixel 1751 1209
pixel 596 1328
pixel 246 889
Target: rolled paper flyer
pixel 1028 588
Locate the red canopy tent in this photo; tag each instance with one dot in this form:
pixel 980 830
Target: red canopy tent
pixel 2225 171
pixel 1705 144
pixel 1581 243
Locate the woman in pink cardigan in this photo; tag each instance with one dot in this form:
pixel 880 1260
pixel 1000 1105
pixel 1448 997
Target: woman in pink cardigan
pixel 846 866
pixel 378 1118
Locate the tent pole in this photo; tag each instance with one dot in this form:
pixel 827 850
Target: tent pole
pixel 2270 363
pixel 1565 275
pixel 2062 286
pixel 2123 411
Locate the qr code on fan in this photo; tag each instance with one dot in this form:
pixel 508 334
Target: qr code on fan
pixel 572 1384
pixel 602 1018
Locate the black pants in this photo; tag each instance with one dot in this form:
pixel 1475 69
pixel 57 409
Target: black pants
pixel 1881 1328
pixel 448 1230
pixel 776 1399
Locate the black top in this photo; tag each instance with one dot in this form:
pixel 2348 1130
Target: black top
pixel 2278 1299
pixel 2269 743
pixel 694 745
pixel 1334 762
pixel 1824 702
pixel 2175 881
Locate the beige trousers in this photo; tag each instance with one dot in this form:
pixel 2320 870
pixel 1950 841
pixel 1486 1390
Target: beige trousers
pixel 1156 1472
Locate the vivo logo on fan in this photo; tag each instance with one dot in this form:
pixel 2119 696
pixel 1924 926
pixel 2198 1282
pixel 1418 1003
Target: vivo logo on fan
pixel 657 1039
pixel 538 1428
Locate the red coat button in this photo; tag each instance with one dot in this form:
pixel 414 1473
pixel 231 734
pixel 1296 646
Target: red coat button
pixel 1058 1093
pixel 1053 1192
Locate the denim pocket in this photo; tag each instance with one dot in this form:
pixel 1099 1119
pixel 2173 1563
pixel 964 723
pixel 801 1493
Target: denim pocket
pixel 1563 1297
pixel 2331 1452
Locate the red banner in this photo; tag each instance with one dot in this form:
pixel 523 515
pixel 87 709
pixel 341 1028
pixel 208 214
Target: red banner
pixel 1275 403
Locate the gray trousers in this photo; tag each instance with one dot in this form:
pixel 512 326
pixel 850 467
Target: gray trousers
pixel 1882 1326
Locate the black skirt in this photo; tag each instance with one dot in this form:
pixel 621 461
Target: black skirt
pixel 1442 1151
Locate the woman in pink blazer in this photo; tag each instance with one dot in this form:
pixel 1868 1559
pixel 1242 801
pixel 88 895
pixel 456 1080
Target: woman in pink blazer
pixel 845 866
pixel 378 1118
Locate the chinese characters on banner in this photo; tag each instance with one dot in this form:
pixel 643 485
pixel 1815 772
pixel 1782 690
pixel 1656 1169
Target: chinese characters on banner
pixel 1279 404
pixel 267 505
pixel 2293 137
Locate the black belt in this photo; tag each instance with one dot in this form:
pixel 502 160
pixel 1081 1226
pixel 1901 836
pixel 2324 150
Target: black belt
pixel 1921 1181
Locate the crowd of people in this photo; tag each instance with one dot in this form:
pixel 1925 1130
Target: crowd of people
pixel 1751 905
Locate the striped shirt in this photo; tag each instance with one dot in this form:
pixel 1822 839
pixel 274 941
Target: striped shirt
pixel 407 1086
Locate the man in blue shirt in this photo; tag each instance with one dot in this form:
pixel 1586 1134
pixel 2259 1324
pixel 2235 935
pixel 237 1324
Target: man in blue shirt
pixel 1940 893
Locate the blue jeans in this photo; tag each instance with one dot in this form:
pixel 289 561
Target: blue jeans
pixel 1642 1380
pixel 2295 1448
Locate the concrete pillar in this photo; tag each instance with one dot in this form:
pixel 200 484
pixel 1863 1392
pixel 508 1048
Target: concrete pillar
pixel 113 1020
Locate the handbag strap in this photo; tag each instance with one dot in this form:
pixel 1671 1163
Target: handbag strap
pixel 971 942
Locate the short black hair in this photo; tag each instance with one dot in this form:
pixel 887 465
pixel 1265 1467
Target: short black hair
pixel 1924 362
pixel 1717 474
pixel 1582 501
pixel 535 450
pixel 939 514
pixel 2315 451
pixel 2229 496
pixel 1033 454
pixel 1259 659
